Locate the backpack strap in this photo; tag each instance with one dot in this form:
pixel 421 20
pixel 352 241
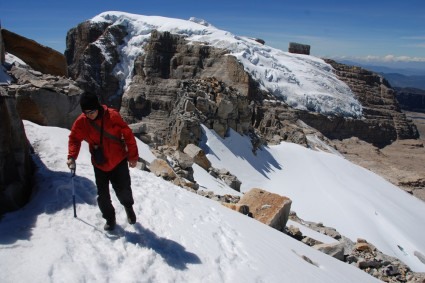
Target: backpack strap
pixel 103 132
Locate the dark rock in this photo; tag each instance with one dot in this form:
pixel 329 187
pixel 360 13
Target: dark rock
pixel 299 48
pixel 87 63
pixel 411 99
pixel 16 167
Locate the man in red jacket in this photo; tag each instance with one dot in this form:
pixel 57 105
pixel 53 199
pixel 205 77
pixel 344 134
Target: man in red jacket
pixel 112 145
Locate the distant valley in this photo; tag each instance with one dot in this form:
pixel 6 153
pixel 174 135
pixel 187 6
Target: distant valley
pixel 398 77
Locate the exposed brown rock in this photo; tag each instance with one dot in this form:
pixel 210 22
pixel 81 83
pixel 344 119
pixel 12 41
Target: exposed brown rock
pixel 244 209
pixel 173 78
pixel 40 58
pixel 198 156
pixel 268 208
pixel 161 168
pixel 384 122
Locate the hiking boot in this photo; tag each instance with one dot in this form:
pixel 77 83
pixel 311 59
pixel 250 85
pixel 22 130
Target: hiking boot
pixel 131 216
pixel 110 225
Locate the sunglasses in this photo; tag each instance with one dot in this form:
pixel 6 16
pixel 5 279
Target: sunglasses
pixel 89 112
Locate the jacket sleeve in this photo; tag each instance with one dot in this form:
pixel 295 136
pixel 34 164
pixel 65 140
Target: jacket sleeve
pixel 130 140
pixel 75 138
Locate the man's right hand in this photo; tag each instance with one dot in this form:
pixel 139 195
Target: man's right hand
pixel 71 163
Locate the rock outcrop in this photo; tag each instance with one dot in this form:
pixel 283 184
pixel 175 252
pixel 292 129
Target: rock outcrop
pixel 383 120
pixel 16 166
pixel 382 124
pixel 360 254
pixel 36 92
pixel 177 86
pixel 91 65
pixel 41 58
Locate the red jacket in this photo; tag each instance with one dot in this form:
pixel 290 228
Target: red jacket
pixel 114 150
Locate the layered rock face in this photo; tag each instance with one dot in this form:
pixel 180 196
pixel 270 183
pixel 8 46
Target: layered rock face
pixel 15 161
pixel 383 120
pixel 176 86
pixel 87 63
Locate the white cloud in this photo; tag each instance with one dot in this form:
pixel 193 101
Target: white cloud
pixel 385 59
pixel 420 37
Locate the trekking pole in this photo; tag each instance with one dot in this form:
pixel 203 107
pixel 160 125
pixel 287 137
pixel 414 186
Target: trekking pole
pixel 73 167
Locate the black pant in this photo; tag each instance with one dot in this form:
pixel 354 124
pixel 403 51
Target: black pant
pixel 121 182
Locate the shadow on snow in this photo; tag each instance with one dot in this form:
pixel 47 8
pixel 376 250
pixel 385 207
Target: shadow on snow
pixel 52 192
pixel 262 161
pixel 174 254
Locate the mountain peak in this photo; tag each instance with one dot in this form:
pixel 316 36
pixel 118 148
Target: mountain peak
pixel 302 81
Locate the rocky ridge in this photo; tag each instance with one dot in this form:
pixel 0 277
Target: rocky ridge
pixel 360 254
pixel 160 74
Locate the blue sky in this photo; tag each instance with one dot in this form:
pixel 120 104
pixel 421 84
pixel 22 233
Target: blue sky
pixel 383 31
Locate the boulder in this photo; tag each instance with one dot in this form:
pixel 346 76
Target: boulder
pixel 162 169
pixel 184 160
pixel 268 208
pixel 198 156
pixel 335 250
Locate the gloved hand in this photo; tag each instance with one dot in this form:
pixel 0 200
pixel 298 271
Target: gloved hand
pixel 71 163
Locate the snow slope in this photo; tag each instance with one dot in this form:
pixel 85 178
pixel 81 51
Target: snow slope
pixel 327 188
pixel 179 236
pixel 304 82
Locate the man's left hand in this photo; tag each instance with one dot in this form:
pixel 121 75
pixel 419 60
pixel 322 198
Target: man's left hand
pixel 132 164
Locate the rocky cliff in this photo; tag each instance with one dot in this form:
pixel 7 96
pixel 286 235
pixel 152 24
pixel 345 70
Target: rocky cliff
pixel 382 122
pixel 87 63
pixel 163 99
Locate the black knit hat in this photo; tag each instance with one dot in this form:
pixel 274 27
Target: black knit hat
pixel 89 101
